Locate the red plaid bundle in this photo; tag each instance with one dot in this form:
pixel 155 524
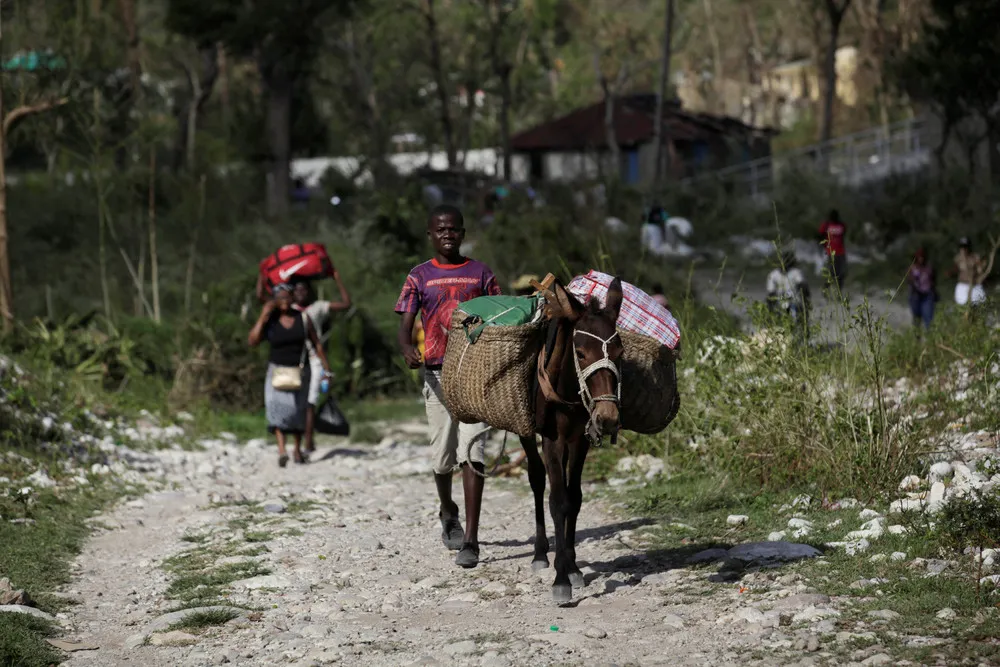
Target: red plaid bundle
pixel 639 313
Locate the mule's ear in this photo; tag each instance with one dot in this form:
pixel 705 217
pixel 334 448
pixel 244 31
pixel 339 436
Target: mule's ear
pixel 615 297
pixel 564 305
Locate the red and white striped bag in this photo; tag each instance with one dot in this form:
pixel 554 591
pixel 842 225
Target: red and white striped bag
pixel 639 314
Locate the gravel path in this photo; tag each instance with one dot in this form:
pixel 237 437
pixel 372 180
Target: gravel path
pixel 354 573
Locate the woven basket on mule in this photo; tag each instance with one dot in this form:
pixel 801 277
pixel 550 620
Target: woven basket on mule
pixel 491 380
pixel 650 400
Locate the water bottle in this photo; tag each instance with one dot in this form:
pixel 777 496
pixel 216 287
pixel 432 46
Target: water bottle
pixel 324 385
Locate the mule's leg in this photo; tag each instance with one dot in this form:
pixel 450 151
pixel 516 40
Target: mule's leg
pixel 536 475
pixel 555 455
pixel 577 455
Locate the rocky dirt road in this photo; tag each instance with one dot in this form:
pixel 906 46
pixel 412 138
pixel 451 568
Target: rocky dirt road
pixel 340 562
pixel 734 293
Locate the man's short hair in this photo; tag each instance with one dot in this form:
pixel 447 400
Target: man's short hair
pixel 446 209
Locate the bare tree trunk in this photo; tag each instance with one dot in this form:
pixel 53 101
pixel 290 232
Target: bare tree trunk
pixel 6 291
pixel 140 286
pixel 154 265
pixel 102 249
pixel 278 83
pixel 661 92
pixel 440 82
pixel 835 11
pixel 200 88
pixel 610 136
pixel 132 46
pixel 505 104
pixel 193 248
pixel 718 103
pixel 224 76
pixel 9 118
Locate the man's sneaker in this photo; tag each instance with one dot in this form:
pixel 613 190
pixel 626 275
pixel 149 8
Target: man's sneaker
pixel 468 556
pixel 451 533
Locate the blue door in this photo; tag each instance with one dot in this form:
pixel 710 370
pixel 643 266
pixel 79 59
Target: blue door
pixel 631 175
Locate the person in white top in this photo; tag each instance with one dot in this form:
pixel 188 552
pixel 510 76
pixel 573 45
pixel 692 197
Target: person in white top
pixel 787 289
pixel 318 313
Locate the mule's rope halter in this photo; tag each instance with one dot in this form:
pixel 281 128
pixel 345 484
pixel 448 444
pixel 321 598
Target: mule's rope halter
pixel 583 374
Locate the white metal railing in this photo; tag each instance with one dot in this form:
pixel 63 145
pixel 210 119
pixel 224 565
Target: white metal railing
pixel 855 159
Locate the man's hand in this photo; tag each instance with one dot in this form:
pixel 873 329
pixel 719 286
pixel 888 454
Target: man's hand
pixel 412 356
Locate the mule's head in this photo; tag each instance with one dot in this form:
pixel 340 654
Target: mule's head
pixel 597 349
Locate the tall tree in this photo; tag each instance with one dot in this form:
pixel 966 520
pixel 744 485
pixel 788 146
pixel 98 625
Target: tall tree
pixel 283 38
pixel 953 69
pixel 834 12
pixel 661 91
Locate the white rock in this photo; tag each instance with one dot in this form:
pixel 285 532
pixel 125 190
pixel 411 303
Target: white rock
pixel 897 530
pixel 174 638
pixel 750 615
pixel 940 471
pixel 835 523
pixel 799 523
pixel 467 647
pixel 883 614
pixel 595 633
pixel 936 500
pixel 907 505
pixel 855 547
pixel 737 519
pixel 910 483
pixel 22 609
pixel 878 558
pixel 672 621
pixel 496 588
pixel 868 514
pixel 40 479
pixel 897 556
pixel 265 581
pixel 776 536
pixel 946 614
pixel 812 614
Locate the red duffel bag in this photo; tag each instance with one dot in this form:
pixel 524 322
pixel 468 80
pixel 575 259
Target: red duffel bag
pixel 298 261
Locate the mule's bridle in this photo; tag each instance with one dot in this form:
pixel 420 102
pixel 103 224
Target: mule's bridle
pixel 583 374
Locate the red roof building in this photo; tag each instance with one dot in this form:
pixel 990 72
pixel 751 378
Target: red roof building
pixel 575 146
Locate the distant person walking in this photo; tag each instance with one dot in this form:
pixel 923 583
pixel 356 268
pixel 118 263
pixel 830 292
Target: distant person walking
pixel 832 233
pixel 659 297
pixel 318 313
pixel 923 289
pixel 787 289
pixel 434 289
pixel 970 269
pixel 286 386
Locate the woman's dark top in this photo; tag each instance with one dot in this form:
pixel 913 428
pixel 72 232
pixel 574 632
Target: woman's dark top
pixel 286 344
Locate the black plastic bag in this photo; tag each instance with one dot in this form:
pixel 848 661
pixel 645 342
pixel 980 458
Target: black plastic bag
pixel 331 421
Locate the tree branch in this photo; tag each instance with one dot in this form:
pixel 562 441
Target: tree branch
pixel 25 110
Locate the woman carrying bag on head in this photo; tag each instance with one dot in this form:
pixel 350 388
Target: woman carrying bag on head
pixel 286 387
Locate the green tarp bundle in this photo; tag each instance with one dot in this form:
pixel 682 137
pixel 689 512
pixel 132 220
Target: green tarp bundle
pixel 503 311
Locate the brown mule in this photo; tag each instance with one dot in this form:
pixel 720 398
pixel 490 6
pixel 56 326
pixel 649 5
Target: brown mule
pixel 577 403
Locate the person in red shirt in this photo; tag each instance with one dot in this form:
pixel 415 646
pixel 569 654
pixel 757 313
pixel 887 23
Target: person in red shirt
pixel 832 234
pixel 434 289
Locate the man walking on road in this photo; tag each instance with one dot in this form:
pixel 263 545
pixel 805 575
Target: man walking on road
pixel 434 289
pixel 832 233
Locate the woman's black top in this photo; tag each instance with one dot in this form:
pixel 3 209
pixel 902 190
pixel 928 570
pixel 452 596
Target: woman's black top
pixel 286 344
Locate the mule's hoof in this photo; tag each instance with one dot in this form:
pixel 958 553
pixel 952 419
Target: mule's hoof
pixel 576 579
pixel 562 593
pixel 537 565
